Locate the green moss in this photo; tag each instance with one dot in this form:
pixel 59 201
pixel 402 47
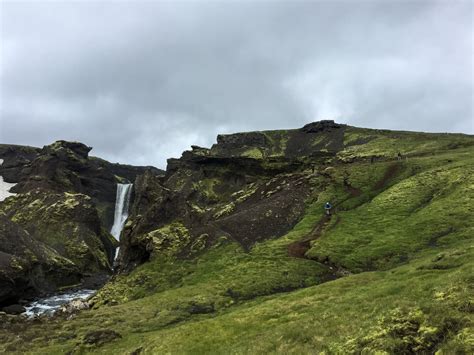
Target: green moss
pixel 227 209
pixel 253 153
pixel 198 209
pixel 16 264
pixel 120 179
pixel 206 188
pixel 64 222
pixel 169 240
pixel 278 141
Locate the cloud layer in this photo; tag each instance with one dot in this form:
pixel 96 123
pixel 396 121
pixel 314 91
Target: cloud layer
pixel 142 81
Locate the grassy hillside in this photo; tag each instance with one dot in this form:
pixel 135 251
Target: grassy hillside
pixel 392 270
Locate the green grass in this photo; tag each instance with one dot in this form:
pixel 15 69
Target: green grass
pixel 371 310
pixel 389 143
pixel 405 238
pixel 426 209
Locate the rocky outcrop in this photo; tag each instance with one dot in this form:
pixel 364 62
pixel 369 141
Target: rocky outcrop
pixel 75 306
pixel 29 267
pixel 248 187
pixel 61 214
pixel 16 158
pixel 66 166
pixel 321 126
pixel 66 222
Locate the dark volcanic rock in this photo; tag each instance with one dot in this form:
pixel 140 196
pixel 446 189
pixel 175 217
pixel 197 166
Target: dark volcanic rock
pixel 16 159
pixel 66 222
pixel 67 150
pixel 320 126
pixel 54 232
pixel 14 309
pixel 248 187
pixel 29 267
pixel 66 167
pixel 238 140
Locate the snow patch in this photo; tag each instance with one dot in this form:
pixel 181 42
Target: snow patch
pixel 5 187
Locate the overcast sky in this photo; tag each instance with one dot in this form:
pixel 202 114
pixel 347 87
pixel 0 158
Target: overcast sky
pixel 142 81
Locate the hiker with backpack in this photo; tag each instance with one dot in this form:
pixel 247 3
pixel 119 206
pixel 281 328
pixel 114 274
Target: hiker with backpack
pixel 328 207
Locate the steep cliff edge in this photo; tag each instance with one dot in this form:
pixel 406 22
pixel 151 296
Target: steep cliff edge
pixel 63 203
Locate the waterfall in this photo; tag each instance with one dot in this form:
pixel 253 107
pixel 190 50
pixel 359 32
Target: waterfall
pixel 122 201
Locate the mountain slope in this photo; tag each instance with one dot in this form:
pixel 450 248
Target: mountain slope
pixel 231 251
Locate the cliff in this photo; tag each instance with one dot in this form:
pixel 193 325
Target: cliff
pixel 61 212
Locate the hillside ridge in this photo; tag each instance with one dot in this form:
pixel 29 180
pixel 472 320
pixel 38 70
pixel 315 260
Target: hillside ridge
pixel 230 250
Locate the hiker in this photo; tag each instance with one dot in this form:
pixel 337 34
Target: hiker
pixel 328 207
pixel 399 156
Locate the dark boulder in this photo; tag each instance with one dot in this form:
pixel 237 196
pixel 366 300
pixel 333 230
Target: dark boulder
pixel 14 309
pixel 319 126
pixel 16 160
pixel 67 150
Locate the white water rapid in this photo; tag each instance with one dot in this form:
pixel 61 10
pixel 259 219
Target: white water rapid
pixel 122 201
pixel 49 305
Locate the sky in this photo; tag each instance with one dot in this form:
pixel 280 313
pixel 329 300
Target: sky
pixel 142 81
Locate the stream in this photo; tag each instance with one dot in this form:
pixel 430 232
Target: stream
pixel 49 305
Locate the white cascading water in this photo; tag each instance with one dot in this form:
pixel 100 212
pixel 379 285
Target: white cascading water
pixel 122 201
pixel 50 305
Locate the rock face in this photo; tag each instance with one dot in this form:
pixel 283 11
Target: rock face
pixel 54 231
pixel 248 187
pixel 66 166
pixel 29 267
pixel 16 158
pixel 66 222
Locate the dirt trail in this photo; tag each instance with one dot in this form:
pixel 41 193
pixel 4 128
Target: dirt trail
pixel 391 171
pixel 353 191
pixel 299 248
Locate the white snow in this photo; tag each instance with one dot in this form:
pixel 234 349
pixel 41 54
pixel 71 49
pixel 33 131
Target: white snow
pixel 5 187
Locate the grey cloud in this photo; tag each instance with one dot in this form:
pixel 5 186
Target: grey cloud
pixel 142 81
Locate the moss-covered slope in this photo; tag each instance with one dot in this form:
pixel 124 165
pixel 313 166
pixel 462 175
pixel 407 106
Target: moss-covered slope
pixel 231 252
